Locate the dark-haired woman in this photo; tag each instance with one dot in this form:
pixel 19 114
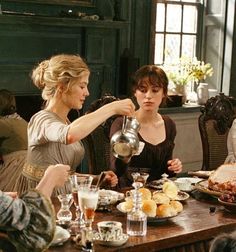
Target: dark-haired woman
pixel 13 141
pixel 157 132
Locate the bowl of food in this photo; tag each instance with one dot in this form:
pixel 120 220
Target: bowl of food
pixel 228 201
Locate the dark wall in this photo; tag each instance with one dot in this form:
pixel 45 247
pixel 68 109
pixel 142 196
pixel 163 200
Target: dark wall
pixel 48 29
pixel 28 105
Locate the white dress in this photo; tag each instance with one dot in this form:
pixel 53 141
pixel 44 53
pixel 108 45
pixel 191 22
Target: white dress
pixel 231 144
pixel 47 145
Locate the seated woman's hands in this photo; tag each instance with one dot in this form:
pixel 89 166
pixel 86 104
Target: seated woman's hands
pixel 55 175
pixel 175 165
pixel 110 179
pixel 12 194
pixel 58 173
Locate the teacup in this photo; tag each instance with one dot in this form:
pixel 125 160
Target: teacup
pixel 110 230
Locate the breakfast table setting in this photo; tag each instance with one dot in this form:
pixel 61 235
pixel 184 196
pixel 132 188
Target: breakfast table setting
pixel 199 215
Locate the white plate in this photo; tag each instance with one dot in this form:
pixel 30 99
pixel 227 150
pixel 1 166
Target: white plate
pixel 201 174
pixel 113 196
pixel 122 240
pixel 202 186
pixel 181 196
pixel 61 235
pixel 190 181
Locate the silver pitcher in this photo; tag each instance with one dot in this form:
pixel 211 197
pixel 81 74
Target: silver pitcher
pixel 125 142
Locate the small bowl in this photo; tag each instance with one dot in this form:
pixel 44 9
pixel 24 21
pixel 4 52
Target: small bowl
pixel 229 206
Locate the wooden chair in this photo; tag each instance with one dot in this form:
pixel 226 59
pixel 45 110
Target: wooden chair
pixel 97 144
pixel 214 124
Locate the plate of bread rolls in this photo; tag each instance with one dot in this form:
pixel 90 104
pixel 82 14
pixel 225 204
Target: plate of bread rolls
pixel 158 205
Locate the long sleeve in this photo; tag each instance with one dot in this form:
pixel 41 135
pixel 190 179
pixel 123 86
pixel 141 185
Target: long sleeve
pixel 29 221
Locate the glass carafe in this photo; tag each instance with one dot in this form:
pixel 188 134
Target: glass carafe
pixel 136 218
pixel 64 215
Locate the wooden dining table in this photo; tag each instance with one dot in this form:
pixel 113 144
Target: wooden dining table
pixel 190 231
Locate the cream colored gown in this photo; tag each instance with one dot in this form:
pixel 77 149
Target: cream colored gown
pixel 47 145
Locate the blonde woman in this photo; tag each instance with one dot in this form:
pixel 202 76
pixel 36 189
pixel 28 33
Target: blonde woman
pixel 52 138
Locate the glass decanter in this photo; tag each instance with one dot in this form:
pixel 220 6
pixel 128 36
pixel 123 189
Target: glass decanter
pixel 64 215
pixel 136 218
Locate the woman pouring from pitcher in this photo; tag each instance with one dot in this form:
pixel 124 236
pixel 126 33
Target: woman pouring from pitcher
pixel 52 138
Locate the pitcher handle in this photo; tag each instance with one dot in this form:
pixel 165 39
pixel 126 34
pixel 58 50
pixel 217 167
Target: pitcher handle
pixel 124 124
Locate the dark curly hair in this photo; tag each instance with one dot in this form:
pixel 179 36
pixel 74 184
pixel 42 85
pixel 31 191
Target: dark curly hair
pixel 156 77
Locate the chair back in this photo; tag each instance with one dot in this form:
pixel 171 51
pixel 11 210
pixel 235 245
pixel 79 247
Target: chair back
pixel 97 143
pixel 214 124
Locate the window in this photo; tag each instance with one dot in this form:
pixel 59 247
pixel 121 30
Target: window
pixel 176 29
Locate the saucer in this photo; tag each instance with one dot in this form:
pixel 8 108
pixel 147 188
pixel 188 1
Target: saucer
pixel 110 196
pixel 187 184
pixel 61 235
pixel 122 240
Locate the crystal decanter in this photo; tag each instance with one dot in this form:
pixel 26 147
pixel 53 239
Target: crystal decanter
pixel 136 218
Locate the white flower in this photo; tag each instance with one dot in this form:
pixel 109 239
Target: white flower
pixel 185 69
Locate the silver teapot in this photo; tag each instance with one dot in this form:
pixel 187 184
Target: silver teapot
pixel 125 142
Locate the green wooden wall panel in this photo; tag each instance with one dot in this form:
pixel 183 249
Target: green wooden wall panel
pixel 16 78
pixel 101 45
pixel 36 45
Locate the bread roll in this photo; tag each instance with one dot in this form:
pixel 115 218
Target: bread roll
pixel 160 198
pixel 127 206
pixel 146 193
pixel 170 189
pixel 149 208
pixel 178 206
pixel 165 210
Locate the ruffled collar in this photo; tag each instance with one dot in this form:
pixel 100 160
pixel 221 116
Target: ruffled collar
pixel 15 116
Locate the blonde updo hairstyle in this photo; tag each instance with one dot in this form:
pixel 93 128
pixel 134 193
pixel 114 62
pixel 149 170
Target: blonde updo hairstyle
pixel 60 69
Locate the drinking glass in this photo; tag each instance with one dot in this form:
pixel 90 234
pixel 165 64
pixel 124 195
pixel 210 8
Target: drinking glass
pixel 88 200
pixel 143 177
pixel 135 176
pixel 64 215
pixel 140 177
pixel 76 182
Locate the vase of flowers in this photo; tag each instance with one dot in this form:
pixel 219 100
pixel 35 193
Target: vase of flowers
pixel 185 72
pixel 202 93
